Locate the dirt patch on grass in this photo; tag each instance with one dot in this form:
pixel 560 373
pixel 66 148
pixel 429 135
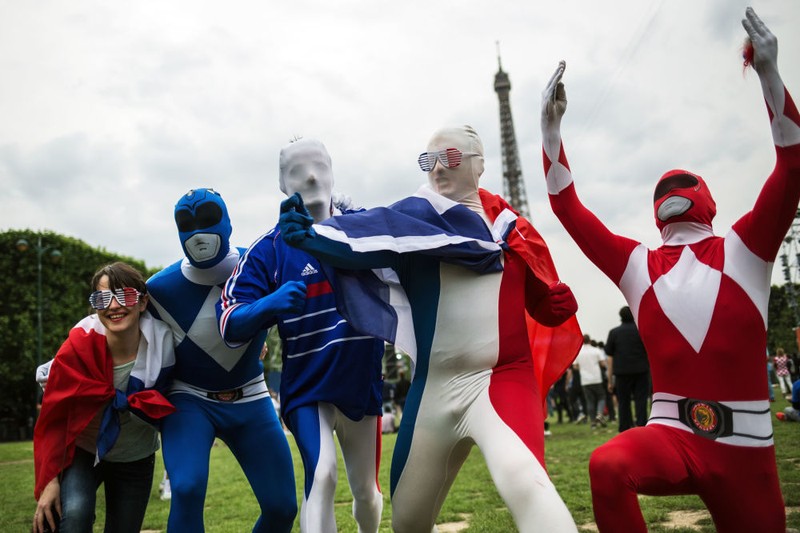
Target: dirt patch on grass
pixel 454 527
pixel 684 519
pixel 18 462
pixel 687 519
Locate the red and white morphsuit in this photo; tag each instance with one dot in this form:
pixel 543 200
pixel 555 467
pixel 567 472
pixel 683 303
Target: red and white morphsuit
pixel 700 302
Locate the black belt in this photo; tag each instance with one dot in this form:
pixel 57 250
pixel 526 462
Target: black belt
pixel 708 419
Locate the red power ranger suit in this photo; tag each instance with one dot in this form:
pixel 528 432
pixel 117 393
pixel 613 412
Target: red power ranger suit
pixel 700 302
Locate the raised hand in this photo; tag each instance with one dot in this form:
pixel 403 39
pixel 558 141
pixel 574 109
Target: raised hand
pixel 765 45
pixel 554 100
pixel 784 118
pixel 295 222
pixel 554 105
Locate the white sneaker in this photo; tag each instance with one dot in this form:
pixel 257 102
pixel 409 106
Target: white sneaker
pixel 166 492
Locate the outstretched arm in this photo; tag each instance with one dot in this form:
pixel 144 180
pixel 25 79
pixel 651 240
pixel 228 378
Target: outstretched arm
pixel 605 249
pixel 762 230
pixel 296 227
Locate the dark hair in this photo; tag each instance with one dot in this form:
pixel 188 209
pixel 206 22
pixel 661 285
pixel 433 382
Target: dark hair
pixel 120 275
pixel 625 314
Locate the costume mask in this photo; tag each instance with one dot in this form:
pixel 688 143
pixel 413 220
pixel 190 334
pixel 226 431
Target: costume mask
pixel 203 227
pixel 460 182
pixel 305 167
pixel 681 196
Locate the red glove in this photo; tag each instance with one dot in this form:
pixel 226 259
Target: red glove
pixel 556 306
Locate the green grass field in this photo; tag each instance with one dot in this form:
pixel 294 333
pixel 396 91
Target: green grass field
pixel 473 504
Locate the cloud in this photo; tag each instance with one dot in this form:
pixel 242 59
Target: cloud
pixel 112 111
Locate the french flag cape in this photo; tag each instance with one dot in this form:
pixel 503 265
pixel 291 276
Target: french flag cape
pixel 81 382
pixel 427 223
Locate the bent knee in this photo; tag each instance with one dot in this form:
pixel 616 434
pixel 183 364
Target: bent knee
pixel 608 465
pixel 191 488
pixel 325 478
pixel 78 514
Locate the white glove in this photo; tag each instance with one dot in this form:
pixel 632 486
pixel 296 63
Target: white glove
pixel 765 45
pixel 554 105
pixel 343 202
pixel 554 101
pixel 785 120
pixel 42 373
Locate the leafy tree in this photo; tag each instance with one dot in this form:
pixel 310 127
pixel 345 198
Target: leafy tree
pixel 784 317
pixel 67 268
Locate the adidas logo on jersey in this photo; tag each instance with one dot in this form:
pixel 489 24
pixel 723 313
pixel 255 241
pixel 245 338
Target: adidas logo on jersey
pixel 308 270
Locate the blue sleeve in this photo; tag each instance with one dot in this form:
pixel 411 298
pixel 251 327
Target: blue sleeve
pixel 243 309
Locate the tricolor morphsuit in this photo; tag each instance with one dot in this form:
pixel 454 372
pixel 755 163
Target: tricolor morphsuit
pixel 219 392
pixel 481 370
pixel 700 303
pixel 204 227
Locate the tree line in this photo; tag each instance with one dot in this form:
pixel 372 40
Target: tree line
pixel 67 265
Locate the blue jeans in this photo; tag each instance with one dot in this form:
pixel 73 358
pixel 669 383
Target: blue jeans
pixel 127 490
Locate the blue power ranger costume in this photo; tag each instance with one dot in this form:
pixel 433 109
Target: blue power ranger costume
pixel 218 391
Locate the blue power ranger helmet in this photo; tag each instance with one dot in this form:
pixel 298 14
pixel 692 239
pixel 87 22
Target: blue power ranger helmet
pixel 204 227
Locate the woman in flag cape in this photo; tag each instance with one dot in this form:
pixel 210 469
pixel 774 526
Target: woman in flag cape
pixel 100 404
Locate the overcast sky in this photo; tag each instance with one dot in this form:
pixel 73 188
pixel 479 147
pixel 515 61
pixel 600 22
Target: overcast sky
pixel 110 111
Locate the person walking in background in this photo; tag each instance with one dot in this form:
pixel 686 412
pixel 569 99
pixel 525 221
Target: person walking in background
pixel 331 381
pixel 610 398
pixel 700 302
pixel 628 371
pixel 577 403
pixel 591 364
pixel 388 420
pixel 560 398
pixel 220 392
pixel 103 389
pixel 783 371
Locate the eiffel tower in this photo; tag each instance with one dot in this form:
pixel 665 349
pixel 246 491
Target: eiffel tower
pixel 513 185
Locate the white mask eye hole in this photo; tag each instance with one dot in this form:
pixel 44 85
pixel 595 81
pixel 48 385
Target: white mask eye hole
pixel 673 207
